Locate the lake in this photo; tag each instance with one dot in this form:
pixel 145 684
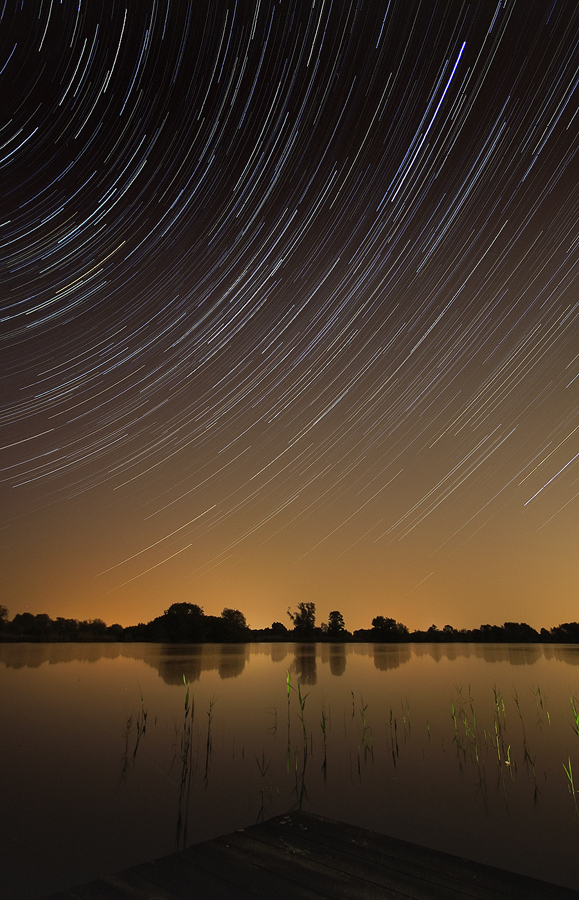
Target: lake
pixel 113 754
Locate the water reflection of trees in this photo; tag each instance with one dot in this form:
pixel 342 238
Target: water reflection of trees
pixel 172 668
pixel 568 655
pixel 515 654
pixel 335 655
pixel 172 661
pixel 304 664
pixel 32 655
pixel 278 652
pixel 337 659
pixel 390 656
pixel 232 660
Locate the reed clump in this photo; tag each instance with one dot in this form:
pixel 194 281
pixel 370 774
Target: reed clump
pixel 493 748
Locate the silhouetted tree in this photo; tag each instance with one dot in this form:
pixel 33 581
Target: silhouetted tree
pixel 28 625
pixel 184 622
pixel 278 628
pixel 304 619
pixel 3 617
pixel 489 633
pixel 116 631
pixel 92 630
pixel 66 629
pixel 234 625
pixel 387 629
pixel 336 624
pixel 566 633
pixel 520 632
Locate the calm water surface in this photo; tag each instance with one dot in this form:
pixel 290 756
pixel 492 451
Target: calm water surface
pixel 458 747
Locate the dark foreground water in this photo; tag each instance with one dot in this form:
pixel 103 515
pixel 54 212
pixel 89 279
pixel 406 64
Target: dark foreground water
pixel 107 758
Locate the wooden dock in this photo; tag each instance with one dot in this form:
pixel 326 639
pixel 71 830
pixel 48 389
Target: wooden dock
pixel 303 857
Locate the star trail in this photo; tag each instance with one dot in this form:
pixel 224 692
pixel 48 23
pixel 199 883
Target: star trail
pixel 289 308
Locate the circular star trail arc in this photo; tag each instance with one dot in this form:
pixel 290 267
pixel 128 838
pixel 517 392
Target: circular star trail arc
pixel 289 306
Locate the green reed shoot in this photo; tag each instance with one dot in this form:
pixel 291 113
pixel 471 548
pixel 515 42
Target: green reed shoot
pixel 456 739
pixel 209 744
pixel 302 702
pixel 500 706
pixel 470 735
pixel 393 724
pixel 467 742
pixel 508 762
pixel 128 729
pixel 528 760
pixel 288 687
pixel 406 715
pixel 186 765
pixel 575 714
pixel 141 723
pixel 366 734
pixel 496 742
pixel 471 704
pixel 571 785
pixel 187 734
pixel 453 716
pixel 540 702
pixel 324 727
pixel 187 706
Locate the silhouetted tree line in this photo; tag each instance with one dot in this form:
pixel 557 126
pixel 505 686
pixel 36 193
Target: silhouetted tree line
pixel 187 623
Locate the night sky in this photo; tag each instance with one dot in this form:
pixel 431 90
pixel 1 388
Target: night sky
pixel 289 309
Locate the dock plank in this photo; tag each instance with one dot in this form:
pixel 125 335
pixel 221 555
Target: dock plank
pixel 299 856
pixel 403 865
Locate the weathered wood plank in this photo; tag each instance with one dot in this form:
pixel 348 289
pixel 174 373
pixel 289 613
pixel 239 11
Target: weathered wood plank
pixel 93 890
pixel 402 865
pixel 303 868
pixel 259 877
pixel 292 875
pixel 413 870
pixel 210 871
pixel 304 857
